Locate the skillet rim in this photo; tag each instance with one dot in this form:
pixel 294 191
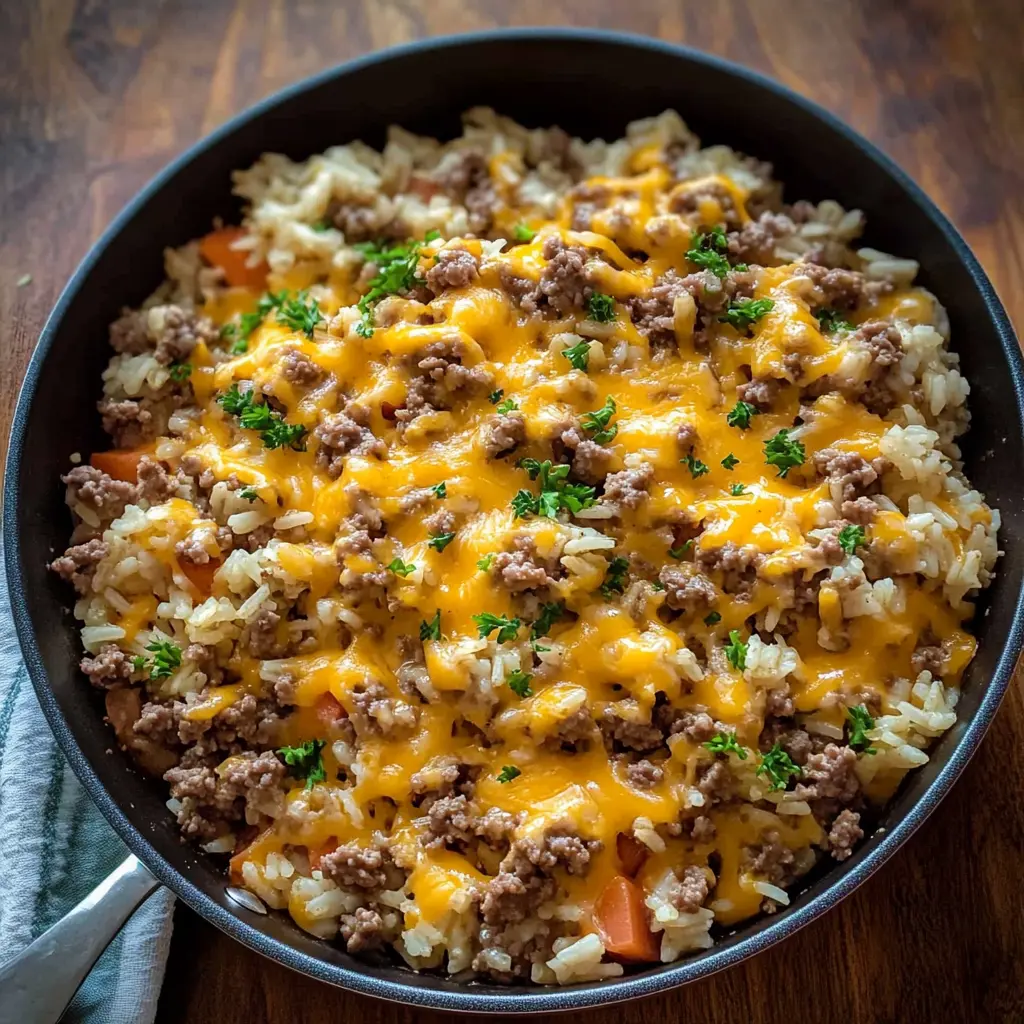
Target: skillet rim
pixel 454 996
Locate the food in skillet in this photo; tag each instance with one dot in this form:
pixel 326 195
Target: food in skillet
pixel 525 554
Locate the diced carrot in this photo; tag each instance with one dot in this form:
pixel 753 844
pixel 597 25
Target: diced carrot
pixel 621 921
pixel 120 463
pixel 243 853
pixel 216 249
pixel 632 853
pixel 201 576
pixel 316 855
pixel 329 709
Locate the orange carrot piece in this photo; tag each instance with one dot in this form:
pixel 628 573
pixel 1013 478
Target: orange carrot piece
pixel 120 463
pixel 216 249
pixel 201 576
pixel 329 709
pixel 315 856
pixel 632 853
pixel 621 921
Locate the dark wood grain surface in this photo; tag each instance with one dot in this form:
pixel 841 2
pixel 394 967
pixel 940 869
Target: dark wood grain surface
pixel 96 96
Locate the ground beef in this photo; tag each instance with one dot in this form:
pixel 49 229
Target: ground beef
pixel 558 849
pixel 715 782
pixel 692 198
pixel 850 475
pixel 771 859
pixel 883 341
pixel 686 591
pixel 844 834
pixel 738 566
pixel 106 496
pixel 760 392
pixel 496 827
pixel 345 433
pixel 357 222
pixel 466 179
pixel 128 421
pixel 449 823
pixel 441 780
pixel 442 521
pixel 798 743
pixel 156 483
pixel 755 242
pixel 630 488
pixel 712 293
pixel 644 774
pixel 929 658
pixel 571 730
pixel 437 377
pixel 697 725
pixel 779 704
pixel 264 641
pixel 689 890
pixel 356 867
pixel 509 898
pixel 178 333
pixel 503 432
pixel 591 462
pixel 521 569
pixel 159 722
pixel 376 712
pixel 703 830
pixel 830 775
pixel 193 548
pixel 654 313
pixel 453 268
pixel 362 930
pixel 110 668
pixel 78 564
pixel 837 288
pixel 860 511
pixel 129 334
pixel 618 732
pixel 248 720
pixel 563 285
pixel 297 368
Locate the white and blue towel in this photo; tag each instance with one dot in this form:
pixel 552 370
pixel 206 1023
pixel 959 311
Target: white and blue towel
pixel 55 847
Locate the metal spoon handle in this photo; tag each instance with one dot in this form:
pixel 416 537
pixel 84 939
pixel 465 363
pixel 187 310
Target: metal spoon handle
pixel 40 982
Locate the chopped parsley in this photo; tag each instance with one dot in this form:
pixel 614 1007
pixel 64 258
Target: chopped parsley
pixel 777 767
pixel 851 537
pixel 859 722
pixel 736 650
pixel 300 313
pixel 239 333
pixel 305 761
pixel 831 320
pixel 740 415
pixel 679 552
pixel 614 577
pixel 495 396
pixel 396 272
pixel 730 461
pixel 400 568
pixel 784 453
pixel 550 613
pixel 695 466
pixel 180 372
pixel 249 493
pixel 742 314
pixel 253 415
pixel 431 630
pixel 597 423
pixel 166 658
pixel 519 683
pixel 484 564
pixel 440 490
pixel 522 233
pixel 486 623
pixel 708 249
pixel 725 743
pixel 601 307
pixel 509 405
pixel 555 492
pixel 538 647
pixel 737 489
pixel 439 541
pixel 321 226
pixel 578 355
pixel 712 619
pixel 508 773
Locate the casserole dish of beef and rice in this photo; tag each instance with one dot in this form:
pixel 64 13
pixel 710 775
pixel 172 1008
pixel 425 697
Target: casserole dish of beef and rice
pixel 522 551
pixel 524 560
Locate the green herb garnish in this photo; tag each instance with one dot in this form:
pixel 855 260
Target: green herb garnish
pixel 578 355
pixel 601 307
pixel 440 490
pixel 851 537
pixel 737 489
pixel 400 568
pixel 305 761
pixel 522 233
pixel 508 773
pixel 439 541
pixel 614 577
pixel 166 658
pixel 740 415
pixel 742 314
pixel 486 623
pixel 831 320
pixel 484 564
pixel 300 313
pixel 180 372
pixel 550 613
pixel 783 452
pixel 859 722
pixel 778 767
pixel 708 249
pixel 509 405
pixel 730 461
pixel 736 650
pixel 712 619
pixel 249 493
pixel 431 630
pixel 725 743
pixel 695 466
pixel 596 423
pixel 519 683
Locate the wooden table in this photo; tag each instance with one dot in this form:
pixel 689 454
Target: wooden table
pixel 97 96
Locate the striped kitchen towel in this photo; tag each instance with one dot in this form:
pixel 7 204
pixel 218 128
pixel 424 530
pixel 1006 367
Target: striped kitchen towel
pixel 55 847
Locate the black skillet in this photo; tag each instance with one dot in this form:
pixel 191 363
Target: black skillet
pixel 591 83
